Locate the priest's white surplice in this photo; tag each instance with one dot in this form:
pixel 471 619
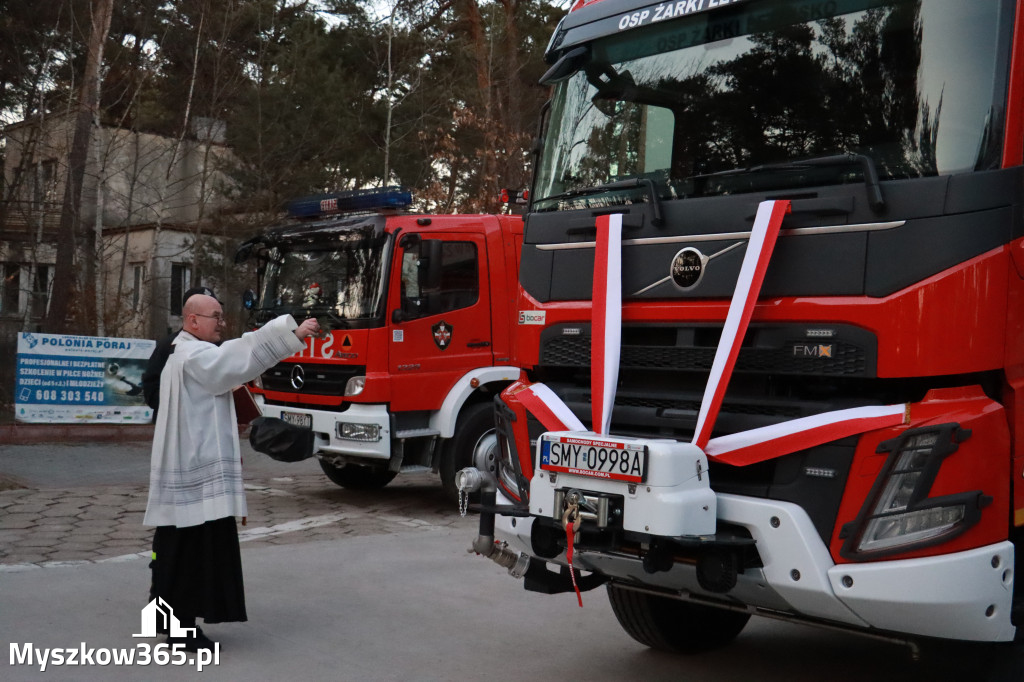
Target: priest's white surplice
pixel 196 469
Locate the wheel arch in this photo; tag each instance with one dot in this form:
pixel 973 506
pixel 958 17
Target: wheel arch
pixel 492 378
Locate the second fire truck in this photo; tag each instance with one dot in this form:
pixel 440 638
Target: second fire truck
pixel 418 312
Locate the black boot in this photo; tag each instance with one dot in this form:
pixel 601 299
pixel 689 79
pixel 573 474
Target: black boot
pixel 195 642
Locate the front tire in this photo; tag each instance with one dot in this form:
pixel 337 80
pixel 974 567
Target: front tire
pixel 671 625
pixel 356 477
pixel 475 443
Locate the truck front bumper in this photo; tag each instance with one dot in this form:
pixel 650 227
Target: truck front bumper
pixel 327 426
pixel 965 595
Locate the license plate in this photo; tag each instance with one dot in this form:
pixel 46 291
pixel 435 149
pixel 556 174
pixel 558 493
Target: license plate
pixel 298 419
pixel 605 459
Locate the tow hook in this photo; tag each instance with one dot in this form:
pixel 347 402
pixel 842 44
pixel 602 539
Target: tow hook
pixel 471 480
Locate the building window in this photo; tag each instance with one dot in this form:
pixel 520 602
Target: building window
pixel 181 275
pixel 41 285
pixel 138 277
pixel 44 183
pixel 10 288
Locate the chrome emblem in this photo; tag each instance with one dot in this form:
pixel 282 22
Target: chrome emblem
pixel 298 377
pixel 687 268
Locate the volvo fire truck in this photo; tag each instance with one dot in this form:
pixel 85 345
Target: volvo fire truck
pixel 417 313
pixel 771 321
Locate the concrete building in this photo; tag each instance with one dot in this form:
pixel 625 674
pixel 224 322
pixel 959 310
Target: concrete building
pixel 150 199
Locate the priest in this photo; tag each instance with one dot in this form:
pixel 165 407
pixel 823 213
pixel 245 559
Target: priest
pixel 195 486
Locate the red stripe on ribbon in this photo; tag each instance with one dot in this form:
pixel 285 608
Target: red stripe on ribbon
pixel 758 445
pixel 570 536
pixel 606 321
pixel 748 286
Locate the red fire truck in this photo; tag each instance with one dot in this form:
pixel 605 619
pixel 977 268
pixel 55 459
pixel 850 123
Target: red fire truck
pixel 794 385
pixel 419 317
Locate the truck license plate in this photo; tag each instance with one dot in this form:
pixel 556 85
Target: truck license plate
pixel 587 456
pixel 298 419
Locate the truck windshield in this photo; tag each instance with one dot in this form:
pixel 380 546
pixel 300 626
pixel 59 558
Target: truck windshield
pixel 338 281
pixel 916 86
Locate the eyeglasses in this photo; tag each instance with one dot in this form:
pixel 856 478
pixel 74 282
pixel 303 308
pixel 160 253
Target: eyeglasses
pixel 216 316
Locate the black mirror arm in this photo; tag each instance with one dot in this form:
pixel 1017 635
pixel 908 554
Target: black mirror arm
pixel 656 216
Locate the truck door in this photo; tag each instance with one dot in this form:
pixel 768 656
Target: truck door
pixel 440 316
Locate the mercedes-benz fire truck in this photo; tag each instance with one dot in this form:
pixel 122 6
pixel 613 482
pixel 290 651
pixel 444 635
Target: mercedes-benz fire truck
pixel 771 321
pixel 418 316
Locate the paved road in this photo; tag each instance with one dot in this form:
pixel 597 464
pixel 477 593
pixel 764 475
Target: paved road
pixel 85 503
pixel 358 586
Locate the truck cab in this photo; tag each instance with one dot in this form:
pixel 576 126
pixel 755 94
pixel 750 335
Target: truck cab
pixel 770 321
pixel 416 311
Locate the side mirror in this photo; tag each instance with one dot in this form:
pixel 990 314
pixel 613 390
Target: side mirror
pixel 245 249
pixel 397 316
pixel 570 62
pixel 249 299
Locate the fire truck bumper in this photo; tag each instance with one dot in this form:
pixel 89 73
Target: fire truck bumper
pixel 965 595
pixel 360 431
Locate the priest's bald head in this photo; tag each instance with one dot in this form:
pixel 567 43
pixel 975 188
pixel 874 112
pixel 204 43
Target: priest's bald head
pixel 203 318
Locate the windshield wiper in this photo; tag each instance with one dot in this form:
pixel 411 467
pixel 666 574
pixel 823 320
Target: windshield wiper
pixel 867 164
pixel 631 183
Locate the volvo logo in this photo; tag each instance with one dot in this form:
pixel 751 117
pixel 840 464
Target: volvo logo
pixel 687 268
pixel 298 377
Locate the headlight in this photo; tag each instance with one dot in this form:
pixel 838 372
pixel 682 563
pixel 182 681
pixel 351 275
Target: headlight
pixel 898 515
pixel 355 385
pixel 910 527
pixel 363 432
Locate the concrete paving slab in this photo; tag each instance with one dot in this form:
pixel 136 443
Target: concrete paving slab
pixel 71 465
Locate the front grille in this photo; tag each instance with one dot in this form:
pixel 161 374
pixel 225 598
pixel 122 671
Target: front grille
pixel 317 379
pixel 846 359
pixel 766 409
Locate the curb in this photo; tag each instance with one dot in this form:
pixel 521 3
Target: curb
pixel 30 434
pixel 33 434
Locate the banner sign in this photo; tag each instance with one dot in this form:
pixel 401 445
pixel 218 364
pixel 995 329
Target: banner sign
pixel 80 379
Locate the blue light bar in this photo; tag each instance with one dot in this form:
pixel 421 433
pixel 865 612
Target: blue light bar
pixel 349 202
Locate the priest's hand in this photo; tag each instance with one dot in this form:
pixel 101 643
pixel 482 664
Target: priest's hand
pixel 309 327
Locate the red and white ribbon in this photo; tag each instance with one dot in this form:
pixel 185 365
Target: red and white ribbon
pixel 748 286
pixel 606 321
pixel 570 540
pixel 768 442
pixel 549 409
pixel 746 447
